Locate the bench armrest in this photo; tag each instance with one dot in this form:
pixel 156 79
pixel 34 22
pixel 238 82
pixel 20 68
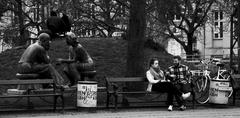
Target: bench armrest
pixel 115 86
pixel 111 87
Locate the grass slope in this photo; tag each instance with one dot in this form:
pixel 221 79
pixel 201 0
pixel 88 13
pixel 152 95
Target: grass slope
pixel 108 54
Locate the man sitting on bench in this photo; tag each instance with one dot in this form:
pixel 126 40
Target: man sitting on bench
pixel 179 75
pixel 79 60
pixel 35 60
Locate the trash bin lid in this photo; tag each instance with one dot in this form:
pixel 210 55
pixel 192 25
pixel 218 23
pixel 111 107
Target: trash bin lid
pixel 87 82
pixel 220 80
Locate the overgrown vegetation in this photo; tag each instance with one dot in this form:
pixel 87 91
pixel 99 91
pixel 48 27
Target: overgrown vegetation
pixel 108 54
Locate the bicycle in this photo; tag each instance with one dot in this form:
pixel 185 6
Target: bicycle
pixel 202 82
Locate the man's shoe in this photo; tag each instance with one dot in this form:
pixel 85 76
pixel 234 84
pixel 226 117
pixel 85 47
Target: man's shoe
pixel 65 86
pixel 170 108
pixel 183 107
pixel 186 95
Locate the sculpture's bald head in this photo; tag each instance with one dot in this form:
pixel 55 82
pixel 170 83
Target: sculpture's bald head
pixel 44 37
pixel 44 40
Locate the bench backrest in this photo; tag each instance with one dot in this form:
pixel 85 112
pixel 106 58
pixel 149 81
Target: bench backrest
pixel 29 81
pixel 235 76
pixel 126 79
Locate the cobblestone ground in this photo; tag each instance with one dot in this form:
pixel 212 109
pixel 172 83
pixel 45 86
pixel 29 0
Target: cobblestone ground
pixel 226 112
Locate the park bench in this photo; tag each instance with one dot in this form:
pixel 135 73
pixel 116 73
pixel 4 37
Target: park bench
pixel 24 86
pixel 30 92
pixel 236 85
pixel 114 89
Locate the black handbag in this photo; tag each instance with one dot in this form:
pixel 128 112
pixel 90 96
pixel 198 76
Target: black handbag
pixel 235 81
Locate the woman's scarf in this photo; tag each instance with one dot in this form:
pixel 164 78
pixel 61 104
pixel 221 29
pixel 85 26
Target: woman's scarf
pixel 157 73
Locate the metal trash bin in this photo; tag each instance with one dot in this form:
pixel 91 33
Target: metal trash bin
pixel 220 91
pixel 87 94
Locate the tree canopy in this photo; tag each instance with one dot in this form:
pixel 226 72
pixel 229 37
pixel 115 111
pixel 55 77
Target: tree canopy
pixel 183 18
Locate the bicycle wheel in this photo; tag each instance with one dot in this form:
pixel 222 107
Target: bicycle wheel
pixel 201 88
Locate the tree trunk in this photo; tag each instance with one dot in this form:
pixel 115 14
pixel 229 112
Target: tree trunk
pixel 136 38
pixel 20 21
pixel 189 50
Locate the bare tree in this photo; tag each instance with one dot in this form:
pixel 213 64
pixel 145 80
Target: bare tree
pixel 192 15
pixel 103 15
pixel 26 14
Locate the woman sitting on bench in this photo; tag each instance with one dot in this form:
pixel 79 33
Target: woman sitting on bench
pixel 158 83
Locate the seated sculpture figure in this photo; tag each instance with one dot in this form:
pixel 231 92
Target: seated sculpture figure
pixel 79 60
pixel 35 60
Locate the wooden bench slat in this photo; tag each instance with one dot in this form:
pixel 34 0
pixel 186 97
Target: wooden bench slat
pixel 30 81
pixel 75 88
pixel 133 92
pixel 127 79
pixel 32 95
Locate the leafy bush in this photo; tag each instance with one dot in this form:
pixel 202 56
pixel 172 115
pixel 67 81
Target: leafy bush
pixel 11 37
pixel 150 43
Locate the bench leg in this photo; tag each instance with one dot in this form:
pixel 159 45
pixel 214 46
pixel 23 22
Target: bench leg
pixel 193 100
pixel 234 96
pixel 82 77
pixel 63 104
pixel 55 103
pixel 193 95
pixel 116 101
pixel 29 106
pixel 29 103
pixel 107 104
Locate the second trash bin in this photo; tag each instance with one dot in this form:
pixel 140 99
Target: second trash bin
pixel 220 91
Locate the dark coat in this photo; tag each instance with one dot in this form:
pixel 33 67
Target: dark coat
pixel 67 22
pixel 56 24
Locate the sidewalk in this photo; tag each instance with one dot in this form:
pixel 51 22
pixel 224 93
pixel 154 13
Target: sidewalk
pixel 200 112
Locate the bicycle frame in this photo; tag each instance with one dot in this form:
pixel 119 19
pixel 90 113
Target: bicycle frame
pixel 203 83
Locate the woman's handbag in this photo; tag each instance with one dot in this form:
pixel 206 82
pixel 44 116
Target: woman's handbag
pixel 235 81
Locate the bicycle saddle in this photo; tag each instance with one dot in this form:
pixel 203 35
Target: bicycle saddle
pixel 220 64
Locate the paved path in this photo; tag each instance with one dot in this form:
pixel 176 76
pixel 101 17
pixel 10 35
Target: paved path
pixel 226 112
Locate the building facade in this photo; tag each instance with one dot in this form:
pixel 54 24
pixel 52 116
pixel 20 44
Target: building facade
pixel 213 39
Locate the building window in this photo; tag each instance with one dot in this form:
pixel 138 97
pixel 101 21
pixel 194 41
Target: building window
pixel 221 29
pixel 218 25
pixel 177 17
pixel 221 15
pixel 216 15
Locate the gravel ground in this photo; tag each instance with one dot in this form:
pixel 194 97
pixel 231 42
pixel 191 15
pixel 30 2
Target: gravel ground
pixel 203 112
